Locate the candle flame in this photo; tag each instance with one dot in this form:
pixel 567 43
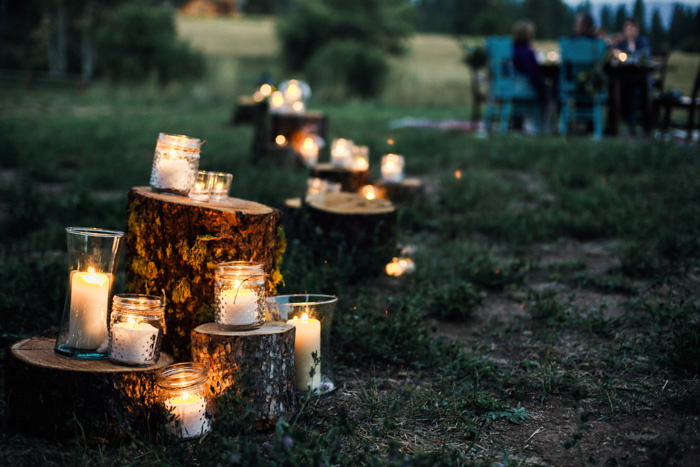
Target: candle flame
pixel 280 140
pixel 622 56
pixel 277 99
pixel 266 90
pixel 219 186
pixel 458 174
pixel 305 318
pixel 91 270
pixel 293 88
pixel 390 165
pixel 309 143
pixel 390 142
pixel 131 321
pixel 298 106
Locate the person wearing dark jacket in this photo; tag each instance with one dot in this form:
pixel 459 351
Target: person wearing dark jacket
pixel 635 48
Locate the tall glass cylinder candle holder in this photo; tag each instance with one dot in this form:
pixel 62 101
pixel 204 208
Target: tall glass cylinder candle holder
pixel 175 163
pixel 185 399
pixel 316 325
pixel 239 295
pixel 136 329
pixel 220 186
pixel 392 168
pixel 341 152
pixel 93 255
pixel 201 188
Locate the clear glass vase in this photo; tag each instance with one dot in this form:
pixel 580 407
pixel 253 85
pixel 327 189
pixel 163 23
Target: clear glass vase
pixel 319 312
pixel 93 255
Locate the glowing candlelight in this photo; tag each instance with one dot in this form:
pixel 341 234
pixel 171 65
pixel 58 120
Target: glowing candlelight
pixel 307 341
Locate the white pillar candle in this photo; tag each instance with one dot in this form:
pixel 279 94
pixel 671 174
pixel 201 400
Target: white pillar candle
pixel 133 343
pixel 306 342
pixel 174 173
pixel 392 168
pixel 240 306
pixel 309 151
pixel 341 150
pixel 189 415
pixel 89 301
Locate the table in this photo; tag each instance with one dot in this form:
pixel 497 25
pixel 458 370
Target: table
pixel 634 74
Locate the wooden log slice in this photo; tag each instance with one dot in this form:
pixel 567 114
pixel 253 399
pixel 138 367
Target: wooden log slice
pixel 365 229
pixel 350 180
pixel 406 191
pixel 257 364
pixel 58 397
pixel 290 216
pixel 248 111
pixel 173 245
pixel 289 125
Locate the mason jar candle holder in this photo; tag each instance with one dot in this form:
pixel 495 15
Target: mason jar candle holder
pixel 341 152
pixel 93 256
pixel 400 266
pixel 185 399
pixel 392 168
pixel 312 315
pixel 360 158
pixel 220 186
pixel 175 163
pixel 201 188
pixel 370 192
pixel 239 295
pixel 136 329
pixel 309 149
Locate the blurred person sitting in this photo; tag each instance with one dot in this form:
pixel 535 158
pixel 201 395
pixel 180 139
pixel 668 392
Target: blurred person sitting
pixel 635 48
pixel 632 43
pixel 525 62
pixel 584 26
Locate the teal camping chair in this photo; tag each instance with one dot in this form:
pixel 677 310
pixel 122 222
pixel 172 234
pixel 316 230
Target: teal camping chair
pixel 509 88
pixel 578 57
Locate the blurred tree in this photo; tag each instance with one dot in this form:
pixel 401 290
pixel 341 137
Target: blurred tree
pixel 681 24
pixel 606 18
pixel 638 13
pixel 260 7
pixel 657 33
pixel 620 18
pixel 551 17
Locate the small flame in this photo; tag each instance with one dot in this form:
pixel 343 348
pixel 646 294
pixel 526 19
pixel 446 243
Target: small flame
pixel 293 89
pixel 390 165
pixel 390 142
pixel 622 56
pixel 131 321
pixel 458 174
pixel 309 143
pixel 266 90
pixel 219 186
pixel 277 99
pixel 305 318
pixel 280 140
pixel 552 55
pixel 298 106
pixel 91 270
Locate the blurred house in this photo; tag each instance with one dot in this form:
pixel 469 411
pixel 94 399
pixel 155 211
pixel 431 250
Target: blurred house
pixel 210 8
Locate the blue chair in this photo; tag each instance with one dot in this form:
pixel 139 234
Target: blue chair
pixel 579 55
pixel 508 88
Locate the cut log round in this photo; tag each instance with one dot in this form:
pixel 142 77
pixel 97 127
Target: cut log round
pixel 290 216
pixel 53 396
pixel 350 180
pixel 173 245
pixel 289 125
pixel 365 228
pixel 408 190
pixel 258 364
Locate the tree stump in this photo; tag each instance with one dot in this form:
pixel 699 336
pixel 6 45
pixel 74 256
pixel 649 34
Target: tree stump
pixel 248 111
pixel 257 364
pixel 53 396
pixel 366 230
pixel 408 190
pixel 173 245
pixel 290 215
pixel 289 125
pixel 350 180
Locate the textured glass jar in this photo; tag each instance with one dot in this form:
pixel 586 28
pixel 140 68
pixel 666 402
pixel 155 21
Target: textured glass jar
pixel 175 163
pixel 221 185
pixel 136 329
pixel 93 255
pixel 240 295
pixel 201 188
pixel 341 152
pixel 185 399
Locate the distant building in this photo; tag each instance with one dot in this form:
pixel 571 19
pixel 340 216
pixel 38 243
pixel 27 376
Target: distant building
pixel 210 8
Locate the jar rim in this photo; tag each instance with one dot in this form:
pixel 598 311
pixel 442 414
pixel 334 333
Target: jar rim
pixel 180 140
pixel 94 232
pixel 231 267
pixel 310 299
pixel 141 302
pixel 182 375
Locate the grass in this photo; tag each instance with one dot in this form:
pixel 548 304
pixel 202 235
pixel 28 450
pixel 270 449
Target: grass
pixel 552 318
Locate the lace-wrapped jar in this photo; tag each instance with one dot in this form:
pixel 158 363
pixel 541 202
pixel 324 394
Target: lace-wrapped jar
pixel 240 295
pixel 136 329
pixel 175 163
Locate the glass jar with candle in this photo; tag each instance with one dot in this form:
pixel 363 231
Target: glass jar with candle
pixel 360 158
pixel 220 186
pixel 201 188
pixel 93 255
pixel 175 163
pixel 185 399
pixel 240 295
pixel 136 329
pixel 392 168
pixel 341 152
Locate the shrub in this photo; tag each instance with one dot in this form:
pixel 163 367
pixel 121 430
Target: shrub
pixel 139 40
pixel 457 301
pixel 347 67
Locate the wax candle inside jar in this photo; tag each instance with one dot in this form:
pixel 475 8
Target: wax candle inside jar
pixel 133 343
pixel 174 173
pixel 189 415
pixel 306 342
pixel 221 186
pixel 341 150
pixel 309 151
pixel 392 168
pixel 240 306
pixel 89 303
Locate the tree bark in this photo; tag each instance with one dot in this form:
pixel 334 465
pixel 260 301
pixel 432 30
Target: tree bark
pixel 258 365
pixel 173 245
pixel 53 396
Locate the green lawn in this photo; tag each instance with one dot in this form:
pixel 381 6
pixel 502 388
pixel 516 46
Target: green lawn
pixel 553 318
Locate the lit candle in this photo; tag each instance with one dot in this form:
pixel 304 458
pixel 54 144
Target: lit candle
pixel 277 104
pixel 133 343
pixel 280 140
pixel 239 306
pixel 360 158
pixel 293 93
pixel 399 266
pixel 221 186
pixel 392 168
pixel 189 415
pixel 369 192
pixel 89 300
pixel 309 151
pixel 306 342
pixel 341 150
pixel 298 107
